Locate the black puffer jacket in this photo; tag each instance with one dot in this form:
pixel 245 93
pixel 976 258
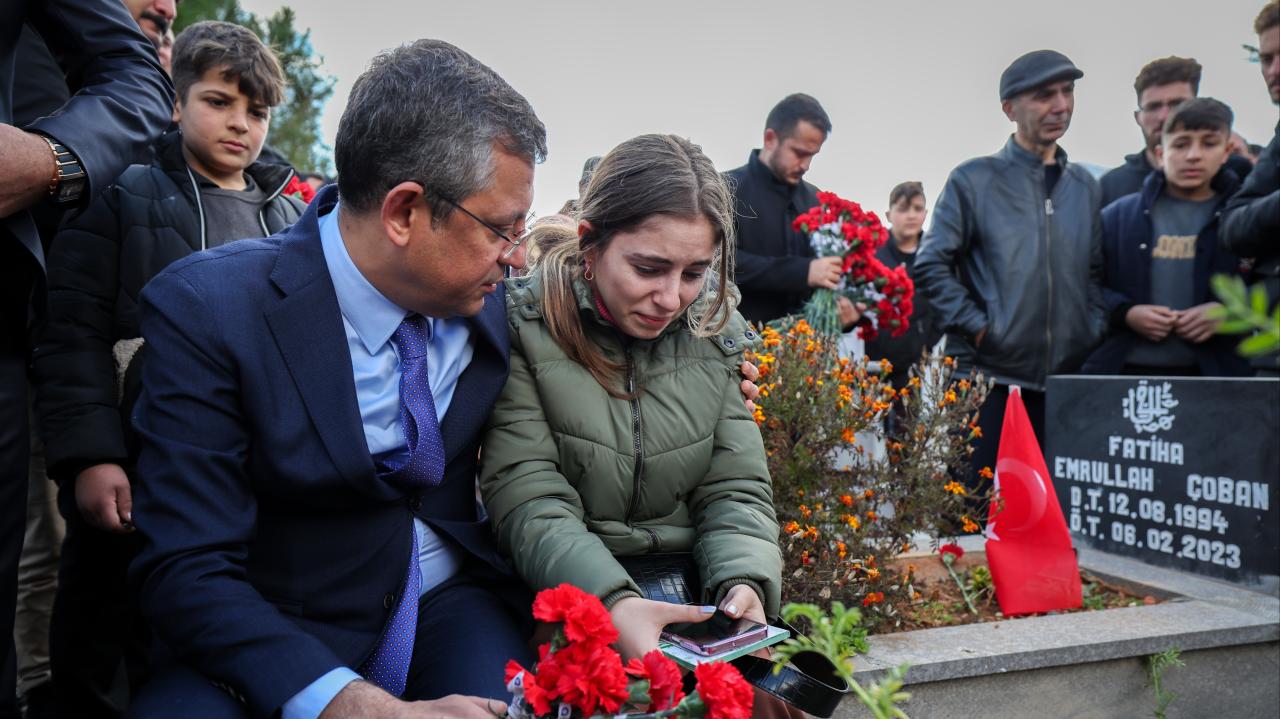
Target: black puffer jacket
pixel 98 266
pixel 1251 228
pixel 1000 256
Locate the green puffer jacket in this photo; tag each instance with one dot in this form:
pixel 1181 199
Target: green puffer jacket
pixel 573 477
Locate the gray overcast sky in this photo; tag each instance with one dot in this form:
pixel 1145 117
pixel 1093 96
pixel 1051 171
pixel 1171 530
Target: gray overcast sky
pixel 910 86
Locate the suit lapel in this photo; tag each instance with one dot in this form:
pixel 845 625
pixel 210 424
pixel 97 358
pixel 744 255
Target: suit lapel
pixel 480 383
pixel 307 327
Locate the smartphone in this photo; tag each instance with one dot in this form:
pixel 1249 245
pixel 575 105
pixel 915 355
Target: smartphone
pixel 720 633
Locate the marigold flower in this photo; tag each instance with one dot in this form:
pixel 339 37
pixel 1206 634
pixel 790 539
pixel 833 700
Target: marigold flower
pixel 848 436
pixel 954 487
pixel 846 500
pixel 950 396
pixel 792 527
pixel 852 521
pixel 914 382
pixel 811 532
pixel 948 361
pixel 963 385
pixel 799 492
pixel 845 393
pixel 873 573
pixel 871 516
pixel 886 367
pixel 986 473
pixel 869 494
pixel 841 549
pixel 804 557
pixel 804 511
pixel 969 525
pixel 872 598
pixel 975 430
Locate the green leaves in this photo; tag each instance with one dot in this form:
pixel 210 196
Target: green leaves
pixel 1243 310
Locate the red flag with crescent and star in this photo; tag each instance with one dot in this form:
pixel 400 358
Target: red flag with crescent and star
pixel 1033 565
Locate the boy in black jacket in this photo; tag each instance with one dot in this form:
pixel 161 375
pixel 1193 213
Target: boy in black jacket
pixel 203 189
pixel 1161 248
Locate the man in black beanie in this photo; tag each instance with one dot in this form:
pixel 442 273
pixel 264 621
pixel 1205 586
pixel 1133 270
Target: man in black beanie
pixel 1013 259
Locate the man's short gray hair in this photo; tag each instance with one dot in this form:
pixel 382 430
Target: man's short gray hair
pixel 430 113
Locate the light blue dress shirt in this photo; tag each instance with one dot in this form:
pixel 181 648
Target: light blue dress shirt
pixel 370 319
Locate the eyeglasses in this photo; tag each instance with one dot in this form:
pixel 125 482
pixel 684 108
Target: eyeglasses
pixel 515 243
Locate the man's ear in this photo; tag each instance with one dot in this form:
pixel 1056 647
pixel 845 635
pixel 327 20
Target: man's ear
pixel 401 211
pixel 1007 107
pixel 1159 150
pixel 1135 118
pixel 770 140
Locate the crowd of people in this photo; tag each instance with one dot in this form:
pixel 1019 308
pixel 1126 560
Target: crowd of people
pixel 247 423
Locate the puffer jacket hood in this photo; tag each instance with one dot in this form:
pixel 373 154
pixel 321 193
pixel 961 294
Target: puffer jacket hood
pixel 573 477
pixel 1003 257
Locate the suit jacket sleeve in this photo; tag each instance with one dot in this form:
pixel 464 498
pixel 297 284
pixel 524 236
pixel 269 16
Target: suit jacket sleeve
pixel 125 99
pixel 197 509
pixel 1251 220
pixel 1114 279
pixel 941 253
pixel 75 373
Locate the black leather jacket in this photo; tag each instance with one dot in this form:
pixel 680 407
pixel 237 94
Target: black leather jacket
pixel 1003 257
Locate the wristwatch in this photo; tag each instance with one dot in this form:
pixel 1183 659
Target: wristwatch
pixel 69 178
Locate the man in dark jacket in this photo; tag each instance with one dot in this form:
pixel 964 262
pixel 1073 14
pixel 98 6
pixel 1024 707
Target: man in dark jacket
pixel 776 269
pixel 1161 85
pixel 1161 248
pixel 200 191
pixel 123 104
pixel 1251 220
pixel 1013 258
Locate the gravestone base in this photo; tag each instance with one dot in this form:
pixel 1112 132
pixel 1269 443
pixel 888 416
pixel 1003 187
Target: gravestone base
pixel 1093 664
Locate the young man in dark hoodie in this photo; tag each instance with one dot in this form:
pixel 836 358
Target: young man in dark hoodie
pixel 1161 248
pixel 204 188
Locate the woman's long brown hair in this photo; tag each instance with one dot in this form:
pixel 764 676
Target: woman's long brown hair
pixel 644 176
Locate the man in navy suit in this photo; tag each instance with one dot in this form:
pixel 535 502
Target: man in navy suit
pixel 310 421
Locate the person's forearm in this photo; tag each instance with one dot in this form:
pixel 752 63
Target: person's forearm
pixel 26 169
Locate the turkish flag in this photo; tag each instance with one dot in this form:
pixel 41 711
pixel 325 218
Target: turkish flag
pixel 1033 565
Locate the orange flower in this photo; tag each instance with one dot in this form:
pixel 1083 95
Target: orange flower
pixel 975 430
pixel 969 525
pixel 873 573
pixel 792 527
pixel 964 385
pixel 852 521
pixel 948 361
pixel 758 415
pixel 841 550
pixel 811 532
pixel 804 557
pixel 846 500
pixel 869 494
pixel 873 598
pixel 886 367
pixel 954 487
pixel 986 473
pixel 848 436
pixel 804 511
pixel 846 394
pixel 914 382
pixel 871 516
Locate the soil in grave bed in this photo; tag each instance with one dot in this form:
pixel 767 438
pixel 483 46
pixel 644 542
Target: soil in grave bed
pixel 941 603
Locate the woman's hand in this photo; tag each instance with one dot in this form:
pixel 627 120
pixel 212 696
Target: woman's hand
pixel 742 601
pixel 640 622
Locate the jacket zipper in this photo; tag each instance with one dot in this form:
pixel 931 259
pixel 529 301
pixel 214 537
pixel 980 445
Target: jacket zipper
pixel 1048 269
pixel 262 217
pixel 637 443
pixel 199 207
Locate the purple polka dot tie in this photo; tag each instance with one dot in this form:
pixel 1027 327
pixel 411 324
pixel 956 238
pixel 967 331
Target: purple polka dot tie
pixel 388 665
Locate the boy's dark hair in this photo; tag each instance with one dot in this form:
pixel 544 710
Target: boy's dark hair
pixel 241 55
pixel 1166 71
pixel 1268 18
pixel 1201 113
pixel 793 109
pixel 908 191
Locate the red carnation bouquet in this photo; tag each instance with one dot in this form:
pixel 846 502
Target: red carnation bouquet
pixel 299 189
pixel 578 675
pixel 840 228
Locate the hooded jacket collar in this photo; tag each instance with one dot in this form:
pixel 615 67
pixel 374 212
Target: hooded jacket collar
pixel 1225 184
pixel 270 177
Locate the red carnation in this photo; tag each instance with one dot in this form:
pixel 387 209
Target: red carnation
pixel 586 675
pixel 665 690
pixel 954 550
pixel 724 691
pixel 584 616
pixel 300 189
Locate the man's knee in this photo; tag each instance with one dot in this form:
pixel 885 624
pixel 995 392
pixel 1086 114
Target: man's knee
pixel 182 692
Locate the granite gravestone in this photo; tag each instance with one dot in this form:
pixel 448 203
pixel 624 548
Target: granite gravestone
pixel 1180 472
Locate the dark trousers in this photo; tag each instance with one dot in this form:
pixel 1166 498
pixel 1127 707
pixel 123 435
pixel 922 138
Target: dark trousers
pixel 991 420
pixel 96 628
pixel 467 630
pixel 15 446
